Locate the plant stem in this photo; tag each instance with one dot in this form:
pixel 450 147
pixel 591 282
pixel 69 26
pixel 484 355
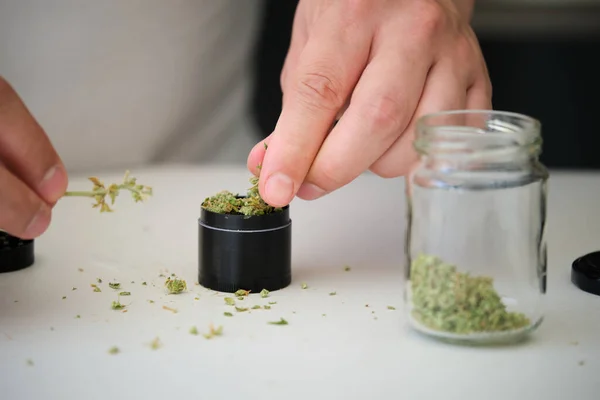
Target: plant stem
pixel 79 194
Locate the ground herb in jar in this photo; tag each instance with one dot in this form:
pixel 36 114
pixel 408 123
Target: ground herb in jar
pixel 445 299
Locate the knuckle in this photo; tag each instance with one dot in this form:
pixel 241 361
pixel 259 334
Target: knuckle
pixel 328 176
pixel 432 19
pixel 382 169
pixel 320 90
pixel 385 113
pixel 465 51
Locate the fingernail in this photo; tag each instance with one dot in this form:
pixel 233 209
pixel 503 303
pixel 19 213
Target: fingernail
pixel 53 184
pixel 279 190
pixel 308 191
pixel 38 224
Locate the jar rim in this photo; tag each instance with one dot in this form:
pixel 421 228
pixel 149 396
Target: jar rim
pixel 524 129
pixel 533 123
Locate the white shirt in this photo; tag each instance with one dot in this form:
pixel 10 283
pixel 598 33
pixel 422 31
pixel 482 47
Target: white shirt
pixel 120 83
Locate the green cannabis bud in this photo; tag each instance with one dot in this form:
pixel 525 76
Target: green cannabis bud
pixel 175 286
pixel 225 202
pixel 444 299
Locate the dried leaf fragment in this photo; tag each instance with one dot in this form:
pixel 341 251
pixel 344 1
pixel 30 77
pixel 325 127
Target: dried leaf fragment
pixel 213 332
pixel 230 301
pixel 280 322
pixel 264 293
pixel 114 285
pixel 113 350
pixel 155 344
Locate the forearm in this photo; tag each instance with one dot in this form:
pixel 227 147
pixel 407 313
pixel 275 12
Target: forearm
pixel 465 8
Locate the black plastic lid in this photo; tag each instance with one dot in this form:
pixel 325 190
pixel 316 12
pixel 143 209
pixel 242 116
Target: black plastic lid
pixel 585 273
pixel 15 253
pixel 244 252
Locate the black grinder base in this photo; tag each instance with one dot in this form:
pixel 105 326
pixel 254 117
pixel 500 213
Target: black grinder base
pixel 245 252
pixel 15 253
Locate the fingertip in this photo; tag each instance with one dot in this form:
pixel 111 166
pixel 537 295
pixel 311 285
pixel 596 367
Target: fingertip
pixel 39 224
pixel 278 190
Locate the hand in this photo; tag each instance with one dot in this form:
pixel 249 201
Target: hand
pixel 32 176
pixel 383 64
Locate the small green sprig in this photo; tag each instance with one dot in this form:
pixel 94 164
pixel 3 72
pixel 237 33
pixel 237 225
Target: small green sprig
pixel 101 194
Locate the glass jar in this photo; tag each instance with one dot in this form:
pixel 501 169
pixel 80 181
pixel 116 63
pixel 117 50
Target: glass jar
pixel 475 245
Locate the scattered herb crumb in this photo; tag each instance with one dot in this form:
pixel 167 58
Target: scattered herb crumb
pixel 64 297
pixel 96 288
pixel 256 307
pixel 323 315
pixel 30 362
pixel 347 268
pixel 196 298
pixel 114 350
pixel 267 307
pixel 78 316
pixel 242 292
pixel 304 285
pixel 193 330
pixel 98 280
pixel 155 344
pixel 240 297
pixel 280 322
pixel 151 301
pixel 581 363
pixel 391 307
pixel 332 293
pixel 74 288
pixel 272 302
pixel 229 301
pixel 175 286
pixel 144 284
pixel 174 311
pixel 264 293
pixel 227 314
pixel 213 332
pixel 80 269
pixel 114 285
pixel 125 294
pixel 116 305
pixel 241 309
pixel 575 343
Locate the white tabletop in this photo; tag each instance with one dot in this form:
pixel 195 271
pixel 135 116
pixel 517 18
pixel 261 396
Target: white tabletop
pixel 335 347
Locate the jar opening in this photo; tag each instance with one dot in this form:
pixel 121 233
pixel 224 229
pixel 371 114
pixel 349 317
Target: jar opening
pixel 470 132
